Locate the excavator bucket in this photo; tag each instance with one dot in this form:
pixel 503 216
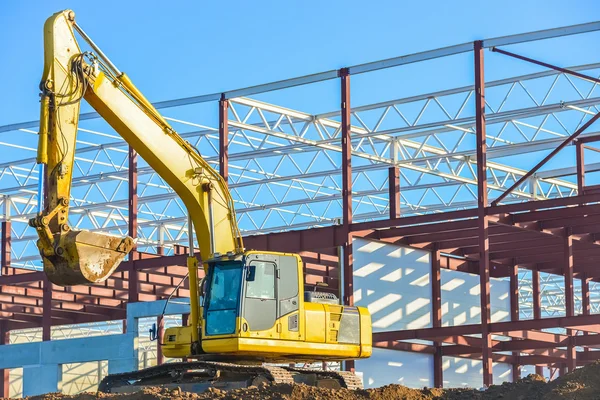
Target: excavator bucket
pixel 84 257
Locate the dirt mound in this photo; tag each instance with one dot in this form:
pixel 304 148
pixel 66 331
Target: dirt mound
pixel 532 387
pixel 583 384
pixel 265 392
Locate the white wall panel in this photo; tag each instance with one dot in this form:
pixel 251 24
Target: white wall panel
pixel 460 298
pixel 394 283
pixel 464 372
pixel 385 367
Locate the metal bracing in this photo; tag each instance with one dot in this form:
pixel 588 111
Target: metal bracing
pixel 284 164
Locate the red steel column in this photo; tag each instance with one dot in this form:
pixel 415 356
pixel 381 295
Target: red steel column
pixel 224 138
pixel 46 310
pixel 580 167
pixel 160 331
pixel 569 297
pixel 133 197
pixel 4 373
pixel 482 204
pixel 514 314
pixel 394 190
pixel 347 185
pixel 133 211
pixel 585 300
pixel 436 311
pixel 346 123
pixel 537 306
pixel 5 248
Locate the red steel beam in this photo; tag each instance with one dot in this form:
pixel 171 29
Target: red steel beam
pixel 133 196
pixel 224 137
pixel 133 291
pixel 585 301
pixel 428 333
pixel 436 306
pixel 346 148
pixel 5 248
pixel 403 346
pixel 160 331
pixel 346 127
pixel 482 219
pixel 514 313
pixel 537 308
pixel 562 205
pixel 569 297
pixel 420 232
pixel 588 218
pixel 497 241
pixel 519 242
pixel 4 373
pixel 554 215
pixel 579 150
pixel 417 219
pixel 427 349
pixel 546 323
pixel 568 267
pixel 47 310
pixel 394 191
pixel 346 183
pixel 509 328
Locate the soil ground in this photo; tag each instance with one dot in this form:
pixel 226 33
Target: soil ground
pixel 583 384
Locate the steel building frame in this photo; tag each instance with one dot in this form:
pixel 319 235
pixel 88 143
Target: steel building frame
pixel 311 183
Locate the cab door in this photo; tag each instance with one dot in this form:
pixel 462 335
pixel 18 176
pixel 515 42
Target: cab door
pixel 260 296
pixel 288 296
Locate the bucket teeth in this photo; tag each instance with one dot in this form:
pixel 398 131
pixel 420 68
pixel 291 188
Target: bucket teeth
pixel 83 257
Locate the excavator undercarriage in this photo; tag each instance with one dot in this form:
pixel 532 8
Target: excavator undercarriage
pixel 198 376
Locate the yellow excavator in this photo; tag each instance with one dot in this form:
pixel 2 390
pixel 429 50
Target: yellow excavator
pixel 251 307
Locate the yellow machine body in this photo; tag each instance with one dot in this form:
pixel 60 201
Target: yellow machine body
pixel 287 328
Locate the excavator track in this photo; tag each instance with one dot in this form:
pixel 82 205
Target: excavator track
pixel 219 372
pixel 174 371
pixel 347 379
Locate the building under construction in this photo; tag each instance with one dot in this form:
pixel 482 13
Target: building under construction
pixel 464 218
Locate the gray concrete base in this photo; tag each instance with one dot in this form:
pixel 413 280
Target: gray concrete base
pixel 42 361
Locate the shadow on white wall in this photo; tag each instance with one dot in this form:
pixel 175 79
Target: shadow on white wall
pixel 394 283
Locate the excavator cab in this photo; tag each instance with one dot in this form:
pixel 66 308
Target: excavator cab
pixel 255 308
pixel 252 293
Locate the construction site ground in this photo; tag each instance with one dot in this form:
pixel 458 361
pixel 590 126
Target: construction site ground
pixel 582 384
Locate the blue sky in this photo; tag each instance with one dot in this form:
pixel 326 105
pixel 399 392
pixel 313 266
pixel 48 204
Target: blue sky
pixel 185 48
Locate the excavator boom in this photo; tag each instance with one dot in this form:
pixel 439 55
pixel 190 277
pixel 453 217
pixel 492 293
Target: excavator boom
pixel 74 257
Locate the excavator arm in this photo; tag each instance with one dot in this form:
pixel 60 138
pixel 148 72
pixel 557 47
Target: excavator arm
pixel 71 256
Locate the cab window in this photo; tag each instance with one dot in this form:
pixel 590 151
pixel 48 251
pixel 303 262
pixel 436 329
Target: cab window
pixel 260 282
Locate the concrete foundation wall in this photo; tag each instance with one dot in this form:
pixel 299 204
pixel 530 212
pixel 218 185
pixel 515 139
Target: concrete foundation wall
pixel 44 363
